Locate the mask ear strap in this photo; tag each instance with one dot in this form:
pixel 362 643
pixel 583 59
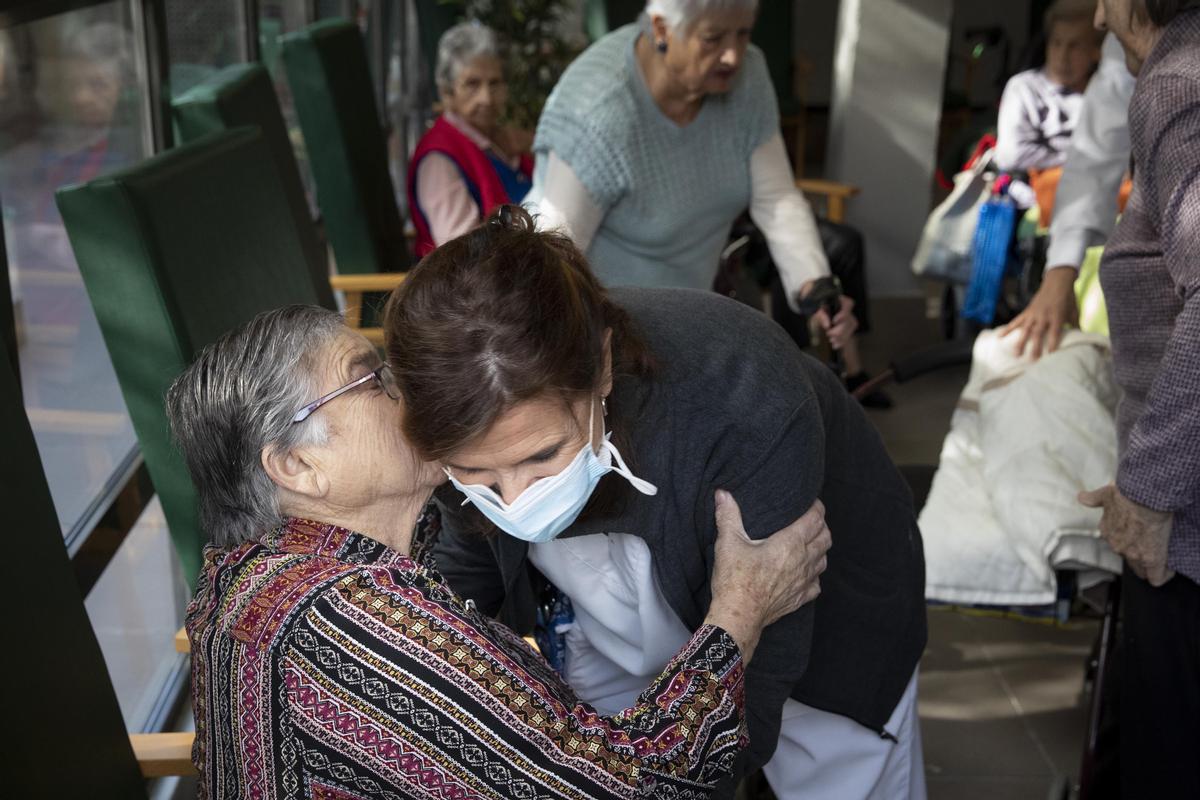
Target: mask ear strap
pixel 622 469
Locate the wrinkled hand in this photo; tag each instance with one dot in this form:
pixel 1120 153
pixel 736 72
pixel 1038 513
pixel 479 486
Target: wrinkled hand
pixel 1136 533
pixel 1053 307
pixel 754 583
pixel 843 325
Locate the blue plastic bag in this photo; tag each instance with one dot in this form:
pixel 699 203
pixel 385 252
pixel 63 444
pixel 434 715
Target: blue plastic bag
pixel 990 256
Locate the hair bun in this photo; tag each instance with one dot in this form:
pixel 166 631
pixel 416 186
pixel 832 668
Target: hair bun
pixel 511 217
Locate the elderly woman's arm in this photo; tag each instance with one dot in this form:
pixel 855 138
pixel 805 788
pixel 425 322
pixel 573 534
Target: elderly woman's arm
pixel 780 211
pixel 562 201
pixel 444 198
pixel 1160 468
pixel 393 678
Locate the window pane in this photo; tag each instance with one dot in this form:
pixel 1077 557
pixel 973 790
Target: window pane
pixel 275 18
pixel 135 609
pixel 74 107
pixel 202 38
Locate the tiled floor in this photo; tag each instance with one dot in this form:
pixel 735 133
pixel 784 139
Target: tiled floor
pixel 1002 712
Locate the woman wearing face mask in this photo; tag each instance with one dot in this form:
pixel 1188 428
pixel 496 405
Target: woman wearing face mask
pixel 467 163
pixel 658 138
pixel 590 427
pixel 327 652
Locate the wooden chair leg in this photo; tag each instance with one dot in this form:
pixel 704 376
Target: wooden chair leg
pixel 354 302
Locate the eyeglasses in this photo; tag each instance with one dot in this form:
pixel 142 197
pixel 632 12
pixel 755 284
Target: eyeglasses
pixel 381 375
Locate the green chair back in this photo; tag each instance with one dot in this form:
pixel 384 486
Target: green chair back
pixel 244 95
pixel 173 253
pixel 69 739
pixel 327 70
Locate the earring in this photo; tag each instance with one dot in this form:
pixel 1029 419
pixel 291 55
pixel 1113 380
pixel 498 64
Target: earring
pixel 603 407
pixel 661 45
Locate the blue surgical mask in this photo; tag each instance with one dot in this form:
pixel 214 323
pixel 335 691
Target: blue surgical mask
pixel 550 505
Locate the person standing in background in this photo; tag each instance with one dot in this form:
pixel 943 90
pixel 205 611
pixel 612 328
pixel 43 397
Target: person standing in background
pixel 657 138
pixel 1086 207
pixel 1151 280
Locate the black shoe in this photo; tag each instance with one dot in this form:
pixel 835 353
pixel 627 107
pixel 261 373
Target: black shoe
pixel 876 399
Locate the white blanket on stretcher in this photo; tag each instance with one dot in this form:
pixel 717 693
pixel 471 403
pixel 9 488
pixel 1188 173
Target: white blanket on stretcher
pixel 1026 437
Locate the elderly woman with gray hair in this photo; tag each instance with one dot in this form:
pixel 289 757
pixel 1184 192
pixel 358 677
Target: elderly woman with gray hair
pixel 658 137
pixel 330 659
pixel 467 163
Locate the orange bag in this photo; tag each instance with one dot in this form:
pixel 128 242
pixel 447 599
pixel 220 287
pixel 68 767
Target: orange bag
pixel 1045 186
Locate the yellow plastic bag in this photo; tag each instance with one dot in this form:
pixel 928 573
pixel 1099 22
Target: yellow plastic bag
pixel 1093 313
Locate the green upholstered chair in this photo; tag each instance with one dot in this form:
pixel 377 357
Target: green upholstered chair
pixel 244 95
pixel 326 65
pixel 68 738
pixel 174 252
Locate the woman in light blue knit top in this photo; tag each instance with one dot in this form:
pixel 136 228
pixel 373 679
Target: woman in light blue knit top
pixel 658 137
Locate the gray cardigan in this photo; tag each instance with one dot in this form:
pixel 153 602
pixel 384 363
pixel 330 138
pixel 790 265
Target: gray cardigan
pixel 1151 277
pixel 734 404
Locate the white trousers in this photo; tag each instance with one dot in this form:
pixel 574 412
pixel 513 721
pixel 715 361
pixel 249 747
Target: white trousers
pixel 827 756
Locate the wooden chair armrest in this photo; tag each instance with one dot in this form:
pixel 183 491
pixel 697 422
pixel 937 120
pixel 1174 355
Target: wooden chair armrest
pixel 367 282
pixel 835 194
pixel 161 755
pixel 49 278
pixel 826 188
pixel 77 423
pixel 182 643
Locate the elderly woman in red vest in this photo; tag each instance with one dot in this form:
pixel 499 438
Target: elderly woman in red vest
pixel 466 164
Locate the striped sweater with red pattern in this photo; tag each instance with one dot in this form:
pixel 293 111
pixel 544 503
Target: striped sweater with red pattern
pixel 327 665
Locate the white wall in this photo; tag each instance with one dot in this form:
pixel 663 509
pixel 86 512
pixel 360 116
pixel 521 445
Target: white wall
pixel 887 98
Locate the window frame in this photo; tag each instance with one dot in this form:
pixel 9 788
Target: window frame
pixel 94 540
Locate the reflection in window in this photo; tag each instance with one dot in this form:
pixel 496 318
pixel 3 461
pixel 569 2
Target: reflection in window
pixel 74 105
pixel 275 18
pixel 202 38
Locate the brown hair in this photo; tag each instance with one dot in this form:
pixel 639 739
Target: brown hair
pixel 498 316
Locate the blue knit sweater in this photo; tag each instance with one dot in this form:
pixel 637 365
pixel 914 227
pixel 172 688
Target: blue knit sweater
pixel 670 193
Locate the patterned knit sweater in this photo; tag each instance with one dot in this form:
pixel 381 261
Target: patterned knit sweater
pixel 1151 280
pixel 670 194
pixel 326 665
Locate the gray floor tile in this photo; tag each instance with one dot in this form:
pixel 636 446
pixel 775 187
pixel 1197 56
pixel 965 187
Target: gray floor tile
pixel 1001 707
pixel 989 788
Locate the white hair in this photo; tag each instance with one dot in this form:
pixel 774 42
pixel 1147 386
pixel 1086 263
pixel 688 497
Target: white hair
pixel 682 15
pixel 461 45
pixel 240 397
